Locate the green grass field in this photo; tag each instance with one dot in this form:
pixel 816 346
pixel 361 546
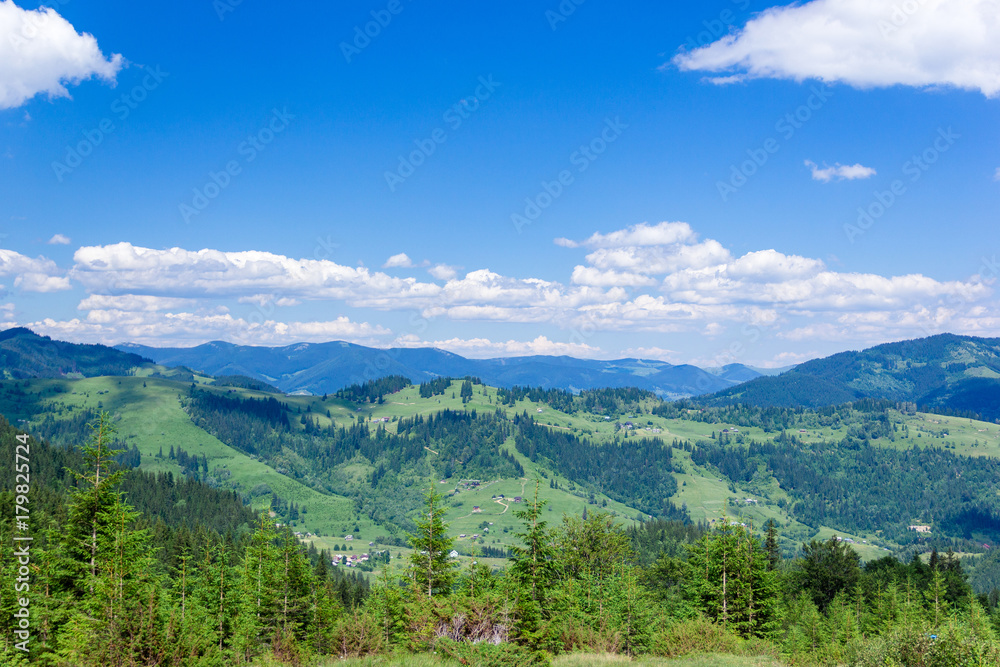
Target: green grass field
pixel 151 418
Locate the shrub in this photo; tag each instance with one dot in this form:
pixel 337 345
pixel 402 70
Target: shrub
pixel 485 654
pixel 952 647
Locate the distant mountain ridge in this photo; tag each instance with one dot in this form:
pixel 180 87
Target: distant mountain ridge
pixel 947 371
pixel 321 368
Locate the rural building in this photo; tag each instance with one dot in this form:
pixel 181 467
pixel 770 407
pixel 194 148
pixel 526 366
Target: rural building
pixel 921 529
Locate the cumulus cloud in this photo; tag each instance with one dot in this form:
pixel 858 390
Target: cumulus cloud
pixel 644 234
pixel 400 261
pixel 645 278
pixel 589 275
pixel 133 303
pixel 59 239
pixel 485 348
pixel 148 322
pixel 41 52
pixel 127 269
pixel 703 286
pixel 863 43
pixel 443 271
pixel 841 172
pixel 124 268
pixel 32 275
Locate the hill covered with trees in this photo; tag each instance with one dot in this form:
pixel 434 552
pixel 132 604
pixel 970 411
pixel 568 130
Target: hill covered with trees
pixel 958 374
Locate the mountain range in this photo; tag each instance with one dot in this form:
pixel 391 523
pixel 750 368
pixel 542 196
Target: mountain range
pixel 320 368
pixel 946 373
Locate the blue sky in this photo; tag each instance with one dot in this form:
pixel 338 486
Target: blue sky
pixel 709 182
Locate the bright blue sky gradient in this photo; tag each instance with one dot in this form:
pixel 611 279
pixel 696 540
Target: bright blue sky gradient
pixel 319 189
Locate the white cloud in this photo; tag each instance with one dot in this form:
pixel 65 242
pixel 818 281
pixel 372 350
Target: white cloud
pixel 773 266
pixel 644 234
pixel 41 52
pixel 681 284
pixel 7 312
pixel 134 303
pixel 864 43
pixel 127 269
pixel 124 268
pixel 660 259
pixel 400 261
pixel 443 271
pixel 653 352
pixel 842 172
pixel 786 359
pixel 485 348
pixel 32 275
pixel 151 326
pixel 588 275
pixel 59 239
pixel 265 300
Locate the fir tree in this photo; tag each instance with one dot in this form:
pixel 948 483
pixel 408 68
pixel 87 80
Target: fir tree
pixel 431 568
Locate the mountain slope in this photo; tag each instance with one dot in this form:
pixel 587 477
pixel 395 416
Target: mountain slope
pixel 322 368
pixel 946 371
pixel 25 354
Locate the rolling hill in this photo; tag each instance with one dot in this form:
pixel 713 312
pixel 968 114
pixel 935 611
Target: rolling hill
pixel 944 372
pixel 25 354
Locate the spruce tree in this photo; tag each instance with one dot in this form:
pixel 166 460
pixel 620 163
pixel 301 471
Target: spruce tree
pixel 431 567
pixel 771 546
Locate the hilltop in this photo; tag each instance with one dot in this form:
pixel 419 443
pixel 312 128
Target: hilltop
pixel 24 354
pixel 959 374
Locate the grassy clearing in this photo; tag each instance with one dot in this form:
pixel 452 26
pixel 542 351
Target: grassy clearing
pixel 151 418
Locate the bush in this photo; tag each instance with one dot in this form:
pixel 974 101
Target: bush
pixel 953 647
pixel 357 635
pixel 485 654
pixel 699 635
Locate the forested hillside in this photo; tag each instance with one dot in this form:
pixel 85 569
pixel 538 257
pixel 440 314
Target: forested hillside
pixel 25 354
pixel 681 485
pixel 959 374
pixel 107 591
